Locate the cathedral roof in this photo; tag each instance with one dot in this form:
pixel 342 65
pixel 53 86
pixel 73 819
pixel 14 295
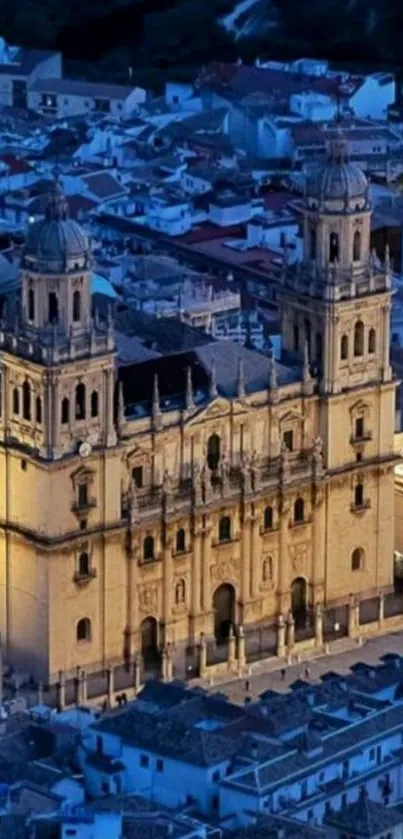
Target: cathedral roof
pixel 337 178
pixel 56 240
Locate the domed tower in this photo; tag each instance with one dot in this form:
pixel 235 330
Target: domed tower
pixel 332 311
pixel 56 273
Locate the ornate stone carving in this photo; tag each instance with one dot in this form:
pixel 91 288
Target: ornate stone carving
pixel 317 459
pixel 299 557
pixel 224 572
pixel 148 598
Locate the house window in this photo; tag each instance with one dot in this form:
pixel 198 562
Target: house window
pixel 148 548
pixel 31 304
pixel 83 564
pixel 26 401
pixel 94 403
pixel 76 306
pixel 160 765
pixel 344 347
pixel 299 511
pixel 288 440
pixel 82 495
pixel 83 631
pixel 137 476
pixel 180 541
pixel 357 559
pixel 359 495
pixel 357 246
pixel 213 451
pixel 144 761
pixel 16 401
pixel 371 341
pixel 65 410
pixel 224 529
pixel 359 428
pixel 268 518
pixel 359 338
pixel 53 308
pixel 80 401
pixel 38 410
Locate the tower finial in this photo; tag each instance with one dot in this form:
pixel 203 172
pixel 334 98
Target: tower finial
pixel 213 381
pixel 121 406
pixel 57 207
pixel 189 389
pixel 156 408
pixel 338 150
pixel 306 373
pixel 273 382
pixel 240 380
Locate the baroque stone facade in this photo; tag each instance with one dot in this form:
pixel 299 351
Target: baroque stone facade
pixel 125 527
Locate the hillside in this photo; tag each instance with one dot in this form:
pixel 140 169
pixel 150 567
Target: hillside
pixel 160 37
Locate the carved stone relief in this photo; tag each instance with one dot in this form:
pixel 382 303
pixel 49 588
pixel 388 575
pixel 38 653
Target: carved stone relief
pixel 148 598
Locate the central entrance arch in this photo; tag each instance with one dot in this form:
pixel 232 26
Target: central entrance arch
pixel 299 600
pixel 224 611
pixel 149 643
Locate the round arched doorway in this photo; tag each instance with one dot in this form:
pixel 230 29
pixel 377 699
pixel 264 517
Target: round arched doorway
pixel 299 600
pixel 149 643
pixel 224 611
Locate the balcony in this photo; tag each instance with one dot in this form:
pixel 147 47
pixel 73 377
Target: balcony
pixel 83 579
pixel 84 506
pixel 360 509
pixel 365 437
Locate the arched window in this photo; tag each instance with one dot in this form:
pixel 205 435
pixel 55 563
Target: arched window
pixel 180 541
pixel 31 304
pixel 359 495
pixel 312 243
pixel 268 518
pixel 38 410
pixel 357 559
pixel 344 347
pixel 94 403
pixel 180 592
pixel 267 569
pixel 76 306
pixel 299 510
pixel 84 564
pixel 357 246
pixel 334 248
pixel 65 411
pixel 371 341
pixel 213 451
pixel 26 401
pixel 224 529
pixel 80 401
pixel 16 401
pixel 83 631
pixel 296 337
pixel 359 338
pixel 148 548
pixel 53 307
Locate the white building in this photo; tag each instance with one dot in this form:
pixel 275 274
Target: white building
pixel 72 97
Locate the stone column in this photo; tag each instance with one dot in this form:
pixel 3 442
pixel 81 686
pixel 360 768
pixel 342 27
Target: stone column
pixel 246 559
pixel 284 581
pixel 318 546
pixel 77 687
pixel 202 656
pixel 136 675
pixel 206 559
pixel 109 685
pixel 241 648
pixel 281 636
pixel 381 610
pixel 353 617
pixel 83 686
pixel 255 565
pixel 169 663
pixel 318 625
pixel 61 691
pixel 231 649
pixel 196 575
pixel 290 633
pixel 167 583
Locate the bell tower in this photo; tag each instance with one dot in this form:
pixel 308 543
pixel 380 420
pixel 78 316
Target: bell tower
pixel 57 359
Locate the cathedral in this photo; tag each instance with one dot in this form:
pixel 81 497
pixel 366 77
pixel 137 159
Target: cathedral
pixel 146 504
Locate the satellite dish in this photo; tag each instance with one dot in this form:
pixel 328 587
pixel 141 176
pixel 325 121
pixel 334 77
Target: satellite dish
pixel 84 449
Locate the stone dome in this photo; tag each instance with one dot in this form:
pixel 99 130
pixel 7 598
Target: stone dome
pixel 338 179
pixel 57 242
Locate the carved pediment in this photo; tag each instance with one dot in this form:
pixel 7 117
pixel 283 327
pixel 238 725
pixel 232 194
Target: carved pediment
pixel 218 408
pixel 137 453
pixel 290 417
pixel 82 475
pixel 359 407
